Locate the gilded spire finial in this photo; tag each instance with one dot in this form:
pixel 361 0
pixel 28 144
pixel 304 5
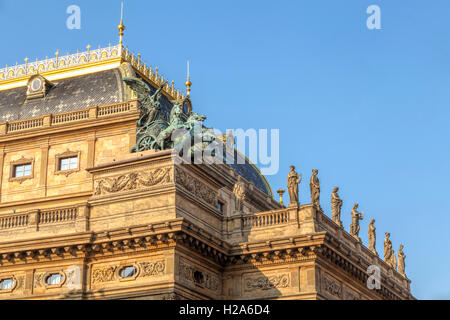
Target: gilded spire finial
pixel 121 27
pixel 188 82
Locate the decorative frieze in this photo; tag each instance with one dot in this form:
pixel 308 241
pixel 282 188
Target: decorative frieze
pixel 133 181
pixel 20 283
pixel 152 268
pixel 38 280
pixel 351 295
pixel 265 283
pixel 332 286
pixel 104 274
pixel 143 269
pixel 200 278
pixel 195 187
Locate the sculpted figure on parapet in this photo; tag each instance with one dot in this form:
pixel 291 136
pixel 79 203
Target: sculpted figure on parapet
pixel 372 237
pixel 356 217
pixel 239 194
pixel 389 254
pixel 293 181
pixel 401 261
pixel 314 185
pixel 336 205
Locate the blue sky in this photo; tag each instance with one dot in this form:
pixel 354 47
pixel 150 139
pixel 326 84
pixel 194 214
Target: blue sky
pixel 368 108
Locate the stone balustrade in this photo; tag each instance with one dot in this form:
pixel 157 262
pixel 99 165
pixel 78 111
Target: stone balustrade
pixel 58 215
pixel 36 219
pixel 266 219
pixel 14 221
pixel 53 120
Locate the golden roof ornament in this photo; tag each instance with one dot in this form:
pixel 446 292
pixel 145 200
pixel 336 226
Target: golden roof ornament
pixel 188 82
pixel 121 27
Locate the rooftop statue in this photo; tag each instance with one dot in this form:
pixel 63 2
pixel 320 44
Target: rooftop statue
pixel 155 133
pixel 356 217
pixel 372 237
pixel 198 138
pixel 389 254
pixel 401 261
pixel 315 190
pixel 150 123
pixel 293 180
pixel 150 106
pixel 164 139
pixel 336 205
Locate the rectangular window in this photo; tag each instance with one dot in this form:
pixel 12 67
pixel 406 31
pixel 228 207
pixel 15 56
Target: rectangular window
pixel 220 206
pixel 22 170
pixel 68 163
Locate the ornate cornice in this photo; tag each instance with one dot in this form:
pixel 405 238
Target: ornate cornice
pixel 180 232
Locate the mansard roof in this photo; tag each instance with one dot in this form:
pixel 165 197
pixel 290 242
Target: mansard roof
pixel 88 79
pixel 70 94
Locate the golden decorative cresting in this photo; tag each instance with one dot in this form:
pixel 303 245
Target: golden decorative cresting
pixel 89 61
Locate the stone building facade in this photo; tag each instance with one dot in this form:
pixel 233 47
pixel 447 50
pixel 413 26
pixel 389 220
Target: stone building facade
pixel 82 217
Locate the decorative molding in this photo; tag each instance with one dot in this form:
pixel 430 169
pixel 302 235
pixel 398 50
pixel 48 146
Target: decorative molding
pixel 195 187
pixel 265 283
pixel 133 181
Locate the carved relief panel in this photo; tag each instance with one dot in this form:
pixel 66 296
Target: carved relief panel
pixel 123 271
pixel 196 277
pixel 133 181
pixel 195 187
pixel 331 287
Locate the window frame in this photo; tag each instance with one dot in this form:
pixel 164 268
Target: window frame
pixel 66 155
pixel 18 163
pixel 13 286
pixel 51 273
pixel 51 276
pixel 128 265
pixel 222 204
